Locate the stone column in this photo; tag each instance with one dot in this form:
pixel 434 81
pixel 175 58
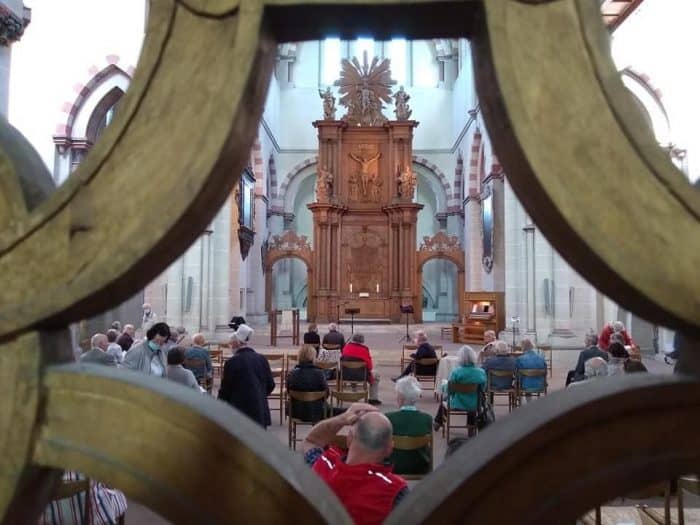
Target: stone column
pixel 14 17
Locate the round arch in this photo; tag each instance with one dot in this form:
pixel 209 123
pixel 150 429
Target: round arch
pixel 289 246
pixel 445 247
pixel 296 170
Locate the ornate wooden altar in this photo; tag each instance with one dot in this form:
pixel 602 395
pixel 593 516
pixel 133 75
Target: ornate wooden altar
pixel 364 215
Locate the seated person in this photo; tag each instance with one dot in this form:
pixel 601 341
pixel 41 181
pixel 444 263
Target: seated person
pixel 356 350
pixel 466 373
pixel 365 485
pixel 198 351
pixel 501 361
pixel 178 373
pixel 305 377
pixel 618 357
pixel 591 351
pixel 594 368
pixel 488 350
pixel 424 351
pixel 106 505
pixel 333 337
pixel 616 327
pixel 311 337
pixel 409 421
pixel 528 361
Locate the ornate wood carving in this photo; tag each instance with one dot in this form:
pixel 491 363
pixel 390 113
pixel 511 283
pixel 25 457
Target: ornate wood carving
pixel 363 89
pixel 440 242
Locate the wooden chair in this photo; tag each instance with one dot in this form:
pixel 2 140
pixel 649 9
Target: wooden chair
pixel 327 365
pixel 406 358
pixel 205 382
pixel 427 379
pixel 71 488
pixel 530 372
pixel 217 360
pixel 547 354
pixel 279 373
pixel 458 388
pixel 348 372
pixel 511 392
pixel 303 397
pixel 341 397
pixel 412 443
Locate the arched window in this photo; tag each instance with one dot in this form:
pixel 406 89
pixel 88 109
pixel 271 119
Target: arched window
pixel 103 114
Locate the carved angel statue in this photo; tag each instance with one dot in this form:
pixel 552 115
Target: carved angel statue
pixel 324 184
pixel 407 183
pixel 401 109
pixel 328 104
pixel 406 180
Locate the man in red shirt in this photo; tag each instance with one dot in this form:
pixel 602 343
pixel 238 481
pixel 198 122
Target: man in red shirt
pixel 365 485
pixel 614 328
pixel 356 350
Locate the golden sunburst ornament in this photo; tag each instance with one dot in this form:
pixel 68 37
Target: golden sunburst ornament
pixel 364 88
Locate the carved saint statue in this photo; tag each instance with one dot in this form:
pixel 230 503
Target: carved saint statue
pixel 328 104
pixel 407 183
pixel 324 184
pixel 366 175
pixel 401 98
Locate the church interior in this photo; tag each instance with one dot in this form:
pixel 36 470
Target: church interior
pixel 380 194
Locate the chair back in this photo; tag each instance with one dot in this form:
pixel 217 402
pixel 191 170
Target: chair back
pixel 195 364
pixel 532 372
pixel 427 361
pixel 491 373
pixel 330 347
pixel 352 370
pixel 71 488
pixel 307 397
pixel 461 388
pixel 412 442
pixel 277 363
pixel 325 365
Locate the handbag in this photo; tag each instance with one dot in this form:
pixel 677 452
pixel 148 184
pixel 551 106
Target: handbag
pixel 485 415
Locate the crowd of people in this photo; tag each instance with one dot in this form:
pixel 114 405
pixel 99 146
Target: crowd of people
pixel 366 476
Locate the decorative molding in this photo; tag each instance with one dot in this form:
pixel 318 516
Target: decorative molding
pixel 440 242
pixel 289 240
pixel 12 26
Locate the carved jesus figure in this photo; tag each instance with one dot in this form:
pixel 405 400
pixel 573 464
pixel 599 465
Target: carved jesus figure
pixel 365 175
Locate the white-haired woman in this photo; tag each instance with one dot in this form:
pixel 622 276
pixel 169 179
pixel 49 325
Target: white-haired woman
pixel 409 421
pixel 467 373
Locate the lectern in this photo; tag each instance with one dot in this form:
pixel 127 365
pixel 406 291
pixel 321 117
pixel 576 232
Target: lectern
pixel 406 309
pixel 352 312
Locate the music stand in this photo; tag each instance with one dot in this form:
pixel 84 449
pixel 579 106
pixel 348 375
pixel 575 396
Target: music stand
pixel 406 309
pixel 352 312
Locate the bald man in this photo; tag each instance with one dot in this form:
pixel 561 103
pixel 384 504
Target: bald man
pixel 98 353
pixel 365 485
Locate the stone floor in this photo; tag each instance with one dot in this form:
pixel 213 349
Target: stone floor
pixel 384 342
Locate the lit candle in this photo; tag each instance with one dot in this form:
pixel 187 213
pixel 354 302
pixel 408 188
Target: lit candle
pixel 350 287
pixel 377 287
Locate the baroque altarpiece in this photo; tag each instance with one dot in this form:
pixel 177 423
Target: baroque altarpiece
pixel 364 217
